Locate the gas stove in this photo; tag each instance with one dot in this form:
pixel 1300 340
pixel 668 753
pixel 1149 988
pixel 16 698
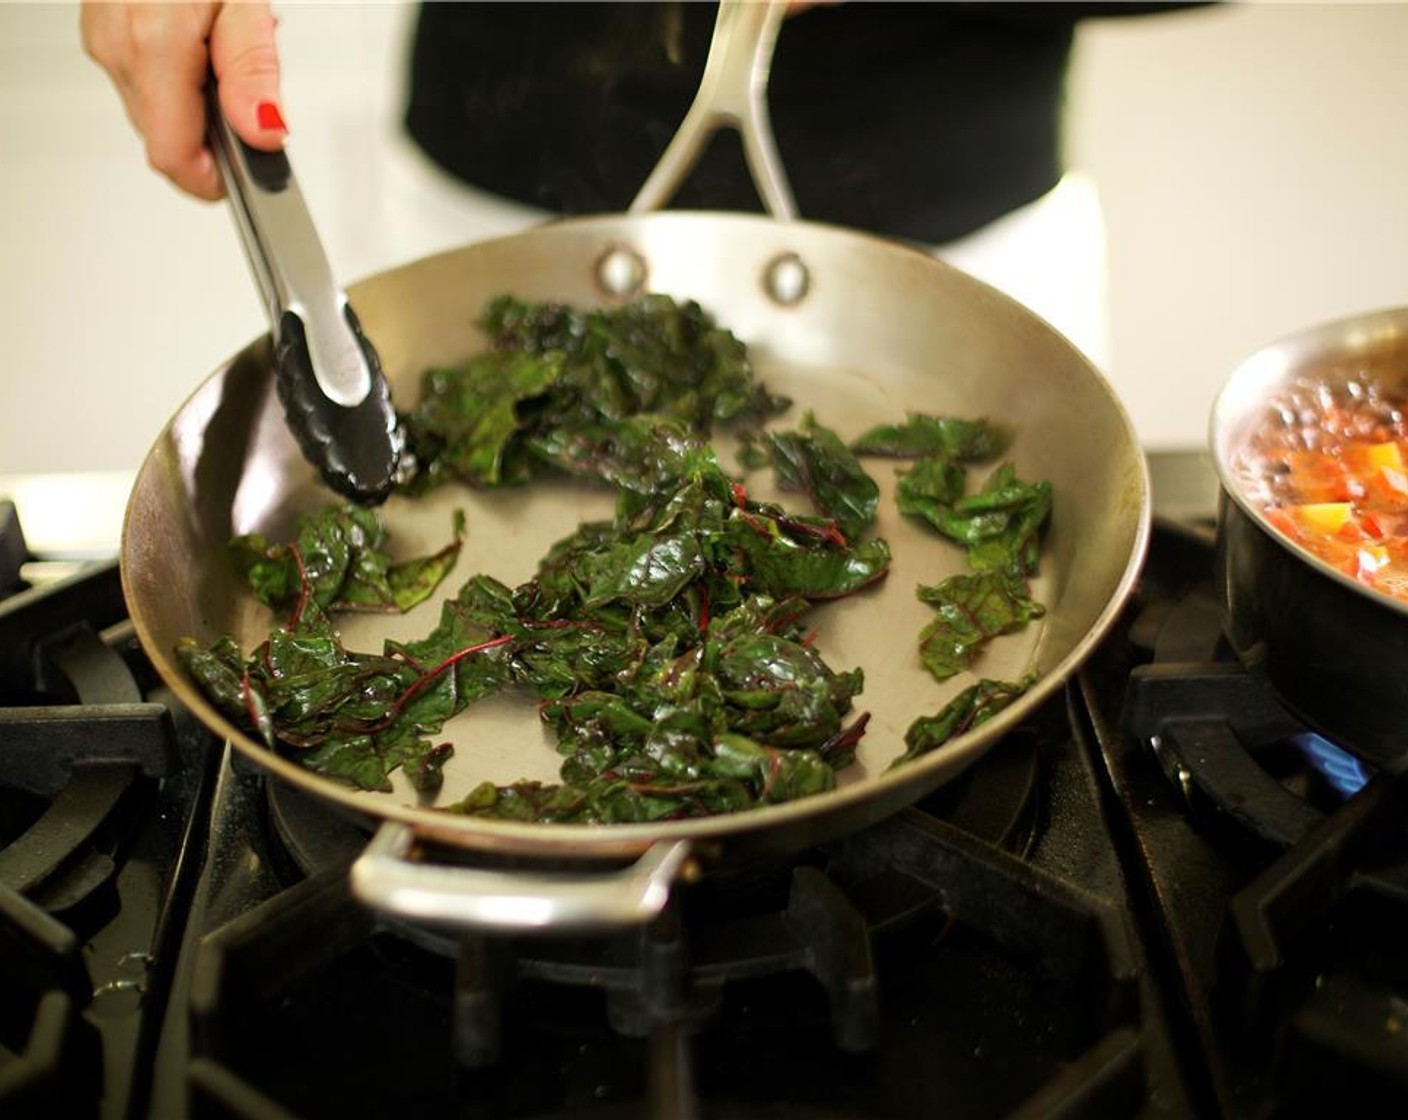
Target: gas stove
pixel 1160 897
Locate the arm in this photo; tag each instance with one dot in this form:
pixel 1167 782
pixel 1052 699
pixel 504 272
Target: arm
pixel 158 55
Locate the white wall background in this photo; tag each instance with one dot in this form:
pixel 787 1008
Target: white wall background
pixel 1253 162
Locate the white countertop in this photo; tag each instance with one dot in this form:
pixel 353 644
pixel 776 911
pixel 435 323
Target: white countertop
pixel 74 516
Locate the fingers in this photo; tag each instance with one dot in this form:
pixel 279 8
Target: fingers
pixel 168 77
pixel 247 66
pixel 156 56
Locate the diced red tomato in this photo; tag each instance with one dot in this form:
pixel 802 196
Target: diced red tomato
pixel 1370 523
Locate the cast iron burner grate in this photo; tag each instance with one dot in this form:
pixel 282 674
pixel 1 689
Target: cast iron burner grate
pixel 82 758
pixel 13 551
pixel 1283 906
pixel 765 919
pixel 83 751
pixel 833 975
pixel 1222 736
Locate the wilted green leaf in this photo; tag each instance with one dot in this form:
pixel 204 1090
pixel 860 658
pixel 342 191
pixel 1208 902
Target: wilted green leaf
pixel 971 708
pixel 971 609
pixel 924 435
pixel 814 460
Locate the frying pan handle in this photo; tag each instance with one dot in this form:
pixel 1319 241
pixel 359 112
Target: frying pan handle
pixel 387 878
pixel 732 92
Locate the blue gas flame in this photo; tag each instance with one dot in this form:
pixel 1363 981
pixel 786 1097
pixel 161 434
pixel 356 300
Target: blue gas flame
pixel 1345 773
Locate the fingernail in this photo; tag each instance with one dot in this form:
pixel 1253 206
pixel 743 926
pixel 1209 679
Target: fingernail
pixel 269 118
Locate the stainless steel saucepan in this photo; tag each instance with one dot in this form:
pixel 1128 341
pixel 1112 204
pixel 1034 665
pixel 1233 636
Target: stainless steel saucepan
pixel 1334 649
pixel 856 328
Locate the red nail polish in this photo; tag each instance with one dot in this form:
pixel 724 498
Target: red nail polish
pixel 269 118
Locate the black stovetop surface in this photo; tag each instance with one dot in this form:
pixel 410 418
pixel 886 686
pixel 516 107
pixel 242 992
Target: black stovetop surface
pixel 1083 925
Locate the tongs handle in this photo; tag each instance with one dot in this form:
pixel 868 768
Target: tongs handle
pixel 287 258
pixel 329 377
pixel 732 93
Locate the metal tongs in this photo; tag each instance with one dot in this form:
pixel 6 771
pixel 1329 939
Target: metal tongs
pixel 335 397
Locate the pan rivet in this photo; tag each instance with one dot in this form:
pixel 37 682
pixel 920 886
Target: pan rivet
pixel 787 279
pixel 621 271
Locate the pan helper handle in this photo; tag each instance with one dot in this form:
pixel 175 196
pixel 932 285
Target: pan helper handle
pixel 329 376
pixel 732 93
pixel 388 878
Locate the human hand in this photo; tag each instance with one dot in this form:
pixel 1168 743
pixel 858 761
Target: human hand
pixel 158 56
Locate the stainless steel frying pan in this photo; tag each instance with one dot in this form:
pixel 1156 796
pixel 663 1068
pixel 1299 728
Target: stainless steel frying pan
pixel 856 328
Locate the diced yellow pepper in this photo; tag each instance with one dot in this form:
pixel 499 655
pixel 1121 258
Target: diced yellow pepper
pixel 1381 455
pixel 1323 517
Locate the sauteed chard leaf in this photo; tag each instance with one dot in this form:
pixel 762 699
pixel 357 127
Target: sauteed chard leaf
pixel 814 460
pixel 686 536
pixel 748 715
pixel 353 716
pixel 666 647
pixel 971 708
pixel 338 558
pixel 789 555
pixel 652 355
pixel 469 415
pixel 1000 527
pixel 932 484
pixel 674 676
pixel 739 774
pixel 971 610
pixel 1006 516
pixel 642 455
pixel 924 435
pixel 559 380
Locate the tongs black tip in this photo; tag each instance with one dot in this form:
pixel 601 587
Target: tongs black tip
pixel 357 447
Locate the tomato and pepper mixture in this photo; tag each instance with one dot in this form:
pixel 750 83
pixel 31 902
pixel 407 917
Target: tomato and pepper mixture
pixel 1329 469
